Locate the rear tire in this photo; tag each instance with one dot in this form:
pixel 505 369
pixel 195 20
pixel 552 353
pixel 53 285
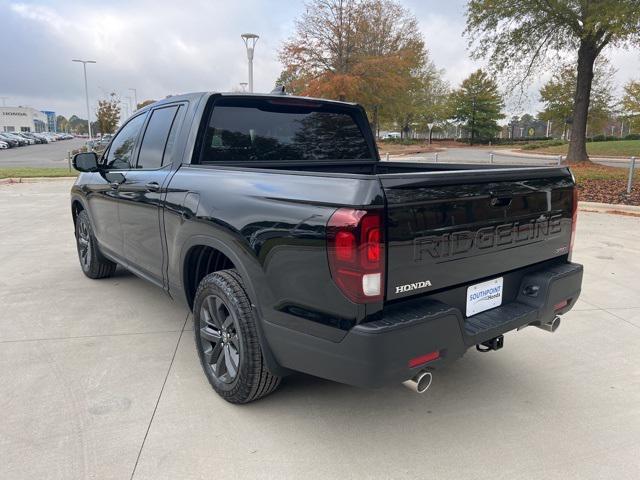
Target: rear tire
pixel 227 339
pixel 94 265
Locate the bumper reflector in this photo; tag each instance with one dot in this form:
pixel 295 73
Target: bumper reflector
pixel 429 357
pixel 561 305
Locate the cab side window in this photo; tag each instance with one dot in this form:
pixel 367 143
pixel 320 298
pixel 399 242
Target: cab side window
pixel 158 138
pixel 120 153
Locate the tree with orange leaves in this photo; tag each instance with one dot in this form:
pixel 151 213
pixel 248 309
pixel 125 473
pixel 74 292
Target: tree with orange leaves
pixel 365 51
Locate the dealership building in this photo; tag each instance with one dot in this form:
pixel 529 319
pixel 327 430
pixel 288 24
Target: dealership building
pixel 23 119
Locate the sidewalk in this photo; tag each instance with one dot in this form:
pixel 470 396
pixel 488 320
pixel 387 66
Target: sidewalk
pixel 550 156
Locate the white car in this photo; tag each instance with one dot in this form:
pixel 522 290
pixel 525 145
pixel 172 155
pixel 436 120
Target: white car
pixel 43 137
pixel 391 135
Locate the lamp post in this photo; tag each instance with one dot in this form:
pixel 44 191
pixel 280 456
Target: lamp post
pixel 131 109
pixel 125 112
pixel 135 98
pixel 250 40
pixel 86 92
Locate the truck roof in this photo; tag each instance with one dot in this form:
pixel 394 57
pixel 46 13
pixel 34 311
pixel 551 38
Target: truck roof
pixel 198 95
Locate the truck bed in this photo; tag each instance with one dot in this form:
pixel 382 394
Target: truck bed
pixel 379 168
pixel 449 224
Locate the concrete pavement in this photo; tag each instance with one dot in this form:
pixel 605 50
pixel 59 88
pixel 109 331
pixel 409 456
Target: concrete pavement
pixel 100 379
pixel 45 155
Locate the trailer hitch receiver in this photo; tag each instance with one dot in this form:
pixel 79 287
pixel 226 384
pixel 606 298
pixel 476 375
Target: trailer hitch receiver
pixel 495 343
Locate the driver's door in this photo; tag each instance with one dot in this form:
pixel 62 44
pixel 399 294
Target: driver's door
pixel 103 188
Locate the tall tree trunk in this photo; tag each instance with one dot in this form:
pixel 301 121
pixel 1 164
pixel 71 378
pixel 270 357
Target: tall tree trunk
pixel 586 57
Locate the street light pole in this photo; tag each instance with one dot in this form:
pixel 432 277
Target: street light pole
pixel 135 98
pixel 250 40
pixel 86 92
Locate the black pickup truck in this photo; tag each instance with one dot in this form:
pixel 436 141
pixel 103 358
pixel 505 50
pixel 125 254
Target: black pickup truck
pixel 298 249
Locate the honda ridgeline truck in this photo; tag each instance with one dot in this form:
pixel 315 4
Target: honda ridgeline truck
pixel 297 249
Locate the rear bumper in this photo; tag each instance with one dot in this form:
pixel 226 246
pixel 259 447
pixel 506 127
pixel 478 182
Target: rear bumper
pixel 376 353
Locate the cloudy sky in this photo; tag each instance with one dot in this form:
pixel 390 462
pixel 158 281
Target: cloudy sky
pixel 163 48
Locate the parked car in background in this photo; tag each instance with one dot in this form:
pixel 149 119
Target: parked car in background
pixel 33 137
pixel 390 135
pixel 26 138
pixel 51 136
pixel 3 145
pixel 44 138
pixel 8 140
pixel 15 140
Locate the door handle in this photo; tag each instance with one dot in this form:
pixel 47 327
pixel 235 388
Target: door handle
pixel 152 187
pixel 115 185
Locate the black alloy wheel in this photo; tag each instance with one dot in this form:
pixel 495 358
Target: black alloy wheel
pixel 227 339
pixel 219 333
pixel 94 264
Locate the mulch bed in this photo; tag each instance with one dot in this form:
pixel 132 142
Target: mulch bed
pixel 608 191
pixel 599 183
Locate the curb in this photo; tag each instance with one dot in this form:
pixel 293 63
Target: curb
pixel 614 208
pixel 11 180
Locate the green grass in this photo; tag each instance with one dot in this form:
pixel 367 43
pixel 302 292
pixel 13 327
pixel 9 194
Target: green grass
pixel 30 172
pixel 619 148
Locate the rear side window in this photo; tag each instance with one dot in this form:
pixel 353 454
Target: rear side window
pixel 158 138
pixel 122 146
pixel 247 129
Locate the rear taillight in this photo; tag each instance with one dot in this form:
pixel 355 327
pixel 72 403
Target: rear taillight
pixel 355 246
pixel 574 219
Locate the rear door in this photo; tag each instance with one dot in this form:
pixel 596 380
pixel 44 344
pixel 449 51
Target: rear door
pixel 453 228
pixel 142 191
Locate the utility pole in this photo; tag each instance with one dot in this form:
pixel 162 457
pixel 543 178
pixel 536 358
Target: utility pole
pixel 250 40
pixel 135 98
pixel 86 92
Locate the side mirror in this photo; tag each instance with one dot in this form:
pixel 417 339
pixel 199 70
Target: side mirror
pixel 85 162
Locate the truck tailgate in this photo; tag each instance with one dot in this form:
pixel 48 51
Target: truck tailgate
pixel 449 228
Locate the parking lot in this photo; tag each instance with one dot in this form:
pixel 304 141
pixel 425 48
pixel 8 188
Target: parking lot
pixel 46 155
pixel 100 379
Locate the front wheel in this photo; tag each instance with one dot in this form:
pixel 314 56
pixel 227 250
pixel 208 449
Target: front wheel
pixel 94 264
pixel 227 339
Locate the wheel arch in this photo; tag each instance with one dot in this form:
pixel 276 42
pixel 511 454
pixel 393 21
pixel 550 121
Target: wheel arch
pixel 76 207
pixel 195 246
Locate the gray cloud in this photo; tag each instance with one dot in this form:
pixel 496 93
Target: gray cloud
pixel 163 48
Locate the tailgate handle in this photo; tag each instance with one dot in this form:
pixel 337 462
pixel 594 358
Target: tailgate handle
pixel 501 199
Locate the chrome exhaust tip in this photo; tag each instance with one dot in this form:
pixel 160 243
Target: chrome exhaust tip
pixel 551 326
pixel 420 383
